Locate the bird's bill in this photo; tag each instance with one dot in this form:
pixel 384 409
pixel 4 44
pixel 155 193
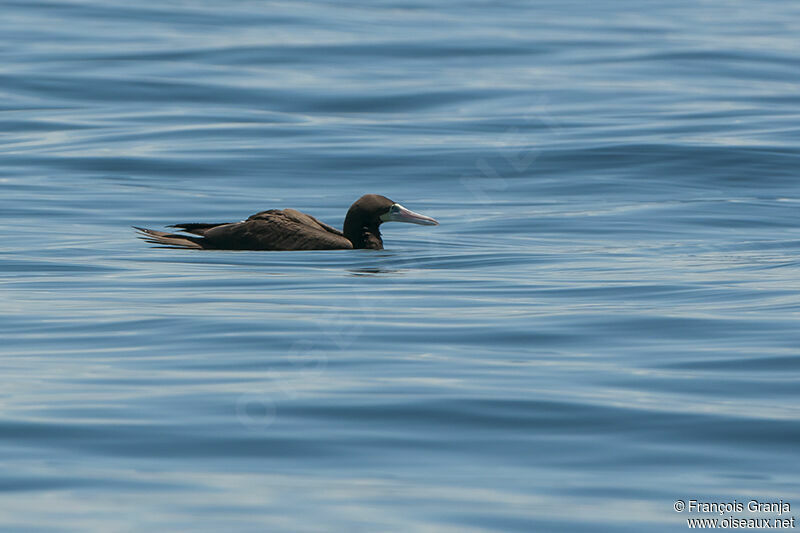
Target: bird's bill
pixel 398 213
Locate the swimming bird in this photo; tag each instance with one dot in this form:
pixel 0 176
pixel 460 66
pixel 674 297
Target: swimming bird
pixel 289 229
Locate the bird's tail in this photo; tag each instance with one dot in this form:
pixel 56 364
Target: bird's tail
pixel 168 239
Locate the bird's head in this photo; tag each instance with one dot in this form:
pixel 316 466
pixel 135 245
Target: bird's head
pixel 369 212
pixel 375 209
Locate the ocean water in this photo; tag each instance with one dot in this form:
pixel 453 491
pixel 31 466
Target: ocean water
pixel 605 322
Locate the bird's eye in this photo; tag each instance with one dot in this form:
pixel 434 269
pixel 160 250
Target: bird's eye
pixel 394 209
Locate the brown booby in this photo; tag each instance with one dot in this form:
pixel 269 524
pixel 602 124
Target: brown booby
pixel 289 229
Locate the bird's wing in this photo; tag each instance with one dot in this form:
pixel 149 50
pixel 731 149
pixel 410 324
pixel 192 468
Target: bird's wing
pixel 275 230
pixel 197 228
pixel 299 217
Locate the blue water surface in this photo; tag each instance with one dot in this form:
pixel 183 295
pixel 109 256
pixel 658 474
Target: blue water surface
pixel 606 320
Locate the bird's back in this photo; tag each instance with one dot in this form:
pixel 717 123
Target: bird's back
pixel 275 229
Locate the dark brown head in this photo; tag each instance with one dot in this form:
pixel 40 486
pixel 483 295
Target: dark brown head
pixel 369 212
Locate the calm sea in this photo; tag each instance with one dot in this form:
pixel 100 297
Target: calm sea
pixel 606 321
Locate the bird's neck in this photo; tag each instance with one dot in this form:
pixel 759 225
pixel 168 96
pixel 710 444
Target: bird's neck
pixel 361 233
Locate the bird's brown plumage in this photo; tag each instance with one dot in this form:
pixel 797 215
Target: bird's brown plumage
pixel 286 229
